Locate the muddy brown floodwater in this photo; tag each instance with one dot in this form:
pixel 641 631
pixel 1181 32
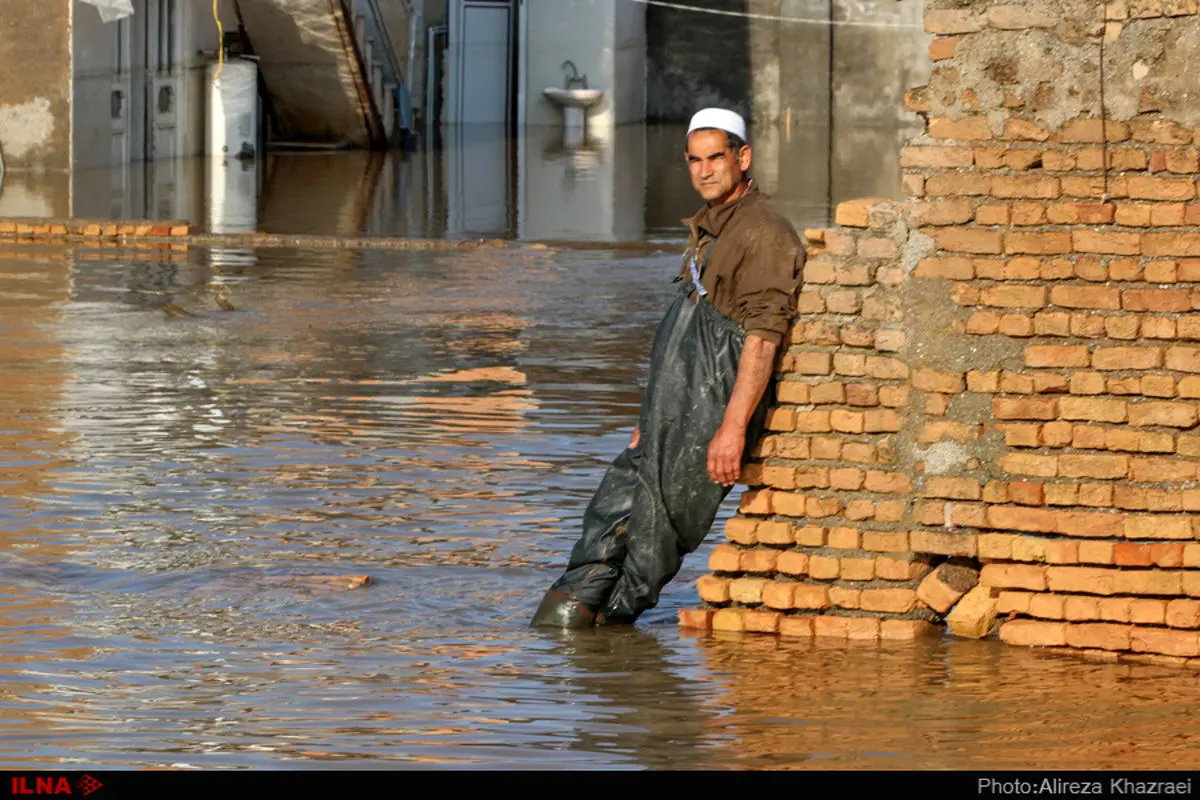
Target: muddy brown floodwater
pixel 436 421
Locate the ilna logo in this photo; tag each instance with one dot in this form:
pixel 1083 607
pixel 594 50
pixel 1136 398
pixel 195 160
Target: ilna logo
pixel 39 784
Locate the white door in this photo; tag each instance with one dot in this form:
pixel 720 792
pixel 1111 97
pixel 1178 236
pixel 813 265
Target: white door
pixel 120 109
pixel 481 61
pixel 164 90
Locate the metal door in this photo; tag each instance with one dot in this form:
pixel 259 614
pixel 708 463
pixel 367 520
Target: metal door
pixel 164 76
pixel 480 61
pixel 120 109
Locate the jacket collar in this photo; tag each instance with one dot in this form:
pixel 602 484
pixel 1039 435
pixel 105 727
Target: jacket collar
pixel 714 219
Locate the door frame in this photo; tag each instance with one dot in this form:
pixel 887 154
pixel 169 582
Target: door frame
pixel 456 15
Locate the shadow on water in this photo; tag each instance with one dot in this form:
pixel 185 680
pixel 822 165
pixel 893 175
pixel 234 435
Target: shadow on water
pixel 171 489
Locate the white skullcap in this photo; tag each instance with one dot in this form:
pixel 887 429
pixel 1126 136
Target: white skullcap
pixel 721 119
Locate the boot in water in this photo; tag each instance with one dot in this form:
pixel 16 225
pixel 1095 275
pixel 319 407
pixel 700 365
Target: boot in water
pixel 559 610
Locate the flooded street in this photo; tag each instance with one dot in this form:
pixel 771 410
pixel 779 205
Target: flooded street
pixel 437 421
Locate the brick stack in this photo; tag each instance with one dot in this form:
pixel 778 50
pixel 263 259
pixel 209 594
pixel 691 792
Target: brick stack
pixel 988 407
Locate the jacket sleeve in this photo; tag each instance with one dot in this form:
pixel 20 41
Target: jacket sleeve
pixel 769 280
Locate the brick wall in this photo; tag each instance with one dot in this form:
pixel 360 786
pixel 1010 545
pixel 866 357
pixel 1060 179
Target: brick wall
pixel 988 405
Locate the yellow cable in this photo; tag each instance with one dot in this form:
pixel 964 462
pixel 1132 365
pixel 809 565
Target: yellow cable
pixel 220 41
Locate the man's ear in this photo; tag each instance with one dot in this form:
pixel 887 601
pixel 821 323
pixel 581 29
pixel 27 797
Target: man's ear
pixel 744 158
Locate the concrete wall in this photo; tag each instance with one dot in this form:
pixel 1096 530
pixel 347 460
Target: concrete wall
pixel 605 39
pixel 764 67
pixel 35 86
pixel 629 63
pixel 580 31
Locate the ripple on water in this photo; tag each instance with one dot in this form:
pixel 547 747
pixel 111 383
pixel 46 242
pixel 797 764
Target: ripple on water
pixel 172 490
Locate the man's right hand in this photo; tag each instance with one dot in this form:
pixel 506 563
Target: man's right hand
pixel 633 440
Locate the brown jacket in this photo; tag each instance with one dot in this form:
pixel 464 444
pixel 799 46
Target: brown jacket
pixel 754 268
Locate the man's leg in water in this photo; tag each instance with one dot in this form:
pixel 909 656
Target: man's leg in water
pixel 596 559
pixel 655 548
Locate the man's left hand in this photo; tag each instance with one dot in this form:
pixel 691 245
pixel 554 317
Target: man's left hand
pixel 725 455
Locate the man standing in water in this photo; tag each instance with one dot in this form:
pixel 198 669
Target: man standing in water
pixel 706 398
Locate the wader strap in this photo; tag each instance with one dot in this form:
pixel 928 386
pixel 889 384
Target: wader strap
pixel 698 271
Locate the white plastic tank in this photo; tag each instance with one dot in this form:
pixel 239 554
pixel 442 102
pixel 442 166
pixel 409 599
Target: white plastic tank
pixel 232 123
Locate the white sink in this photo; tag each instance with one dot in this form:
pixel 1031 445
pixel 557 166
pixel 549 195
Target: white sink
pixel 574 104
pixel 574 98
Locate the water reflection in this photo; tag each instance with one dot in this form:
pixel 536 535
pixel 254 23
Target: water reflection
pixel 178 494
pixel 476 182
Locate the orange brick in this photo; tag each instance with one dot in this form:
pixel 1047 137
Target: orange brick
pixel 696 618
pixel 755 501
pixel 1033 633
pixel 728 619
pixel 992 215
pixel 888 482
pixel 892 601
pixel 1019 518
pixel 1167 214
pixel 1025 186
pixel 792 562
pixel 1086 213
pixel 1148 188
pixel 810 596
pixel 779 594
pixel 747 591
pixel 1148 582
pixel 1081 580
pixel 968 128
pixel 969 240
pixel 1093 130
pixel 1174 415
pixel 933 156
pixel 1086 297
pixel 760 560
pixel 1168 300
pixel 1115 242
pixel 1174 243
pixel 779 477
pixel 1093 466
pixel 952 488
pixel 1166 641
pixel 1182 614
pixel 713 589
pixel 952 268
pixel 1099 635
pixel 725 558
pixel 885 541
pixel 1051 323
pixel 1029 464
pixel 1057 356
pixel 1126 358
pixel 741 530
pixel 882 420
pixel 761 621
pixel 1045 243
pixel 1047 606
pixel 857 569
pixel 795 626
pixel 1133 214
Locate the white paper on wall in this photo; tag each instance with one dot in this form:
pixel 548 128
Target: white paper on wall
pixel 112 10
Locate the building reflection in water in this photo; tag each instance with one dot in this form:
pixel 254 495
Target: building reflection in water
pixel 475 181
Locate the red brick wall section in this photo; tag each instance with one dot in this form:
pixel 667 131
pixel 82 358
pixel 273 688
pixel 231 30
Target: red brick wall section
pixel 988 406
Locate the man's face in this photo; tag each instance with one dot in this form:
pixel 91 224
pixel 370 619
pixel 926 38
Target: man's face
pixel 716 170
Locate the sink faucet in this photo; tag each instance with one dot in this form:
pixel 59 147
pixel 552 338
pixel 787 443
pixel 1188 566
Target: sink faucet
pixel 574 76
